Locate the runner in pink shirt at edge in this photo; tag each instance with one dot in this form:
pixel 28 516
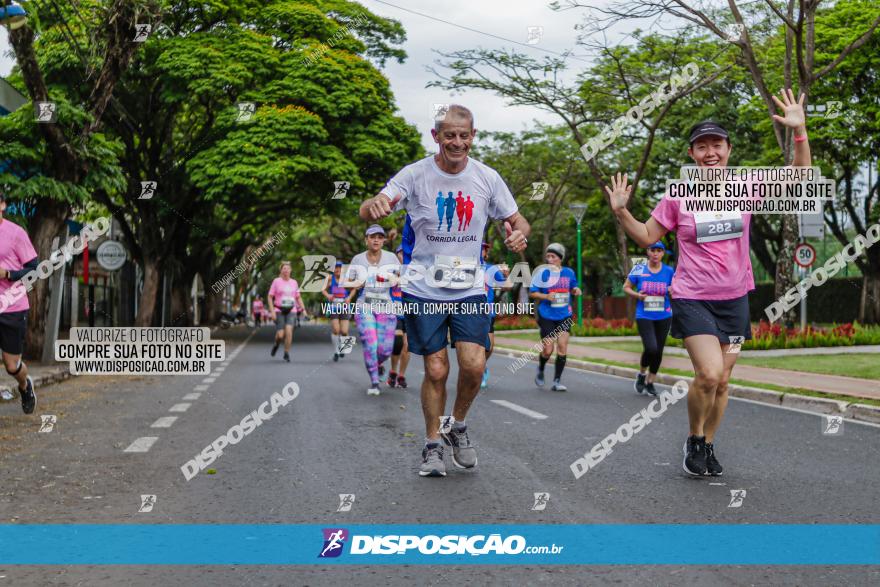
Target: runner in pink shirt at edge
pixel 284 297
pixel 17 259
pixel 258 309
pixel 709 293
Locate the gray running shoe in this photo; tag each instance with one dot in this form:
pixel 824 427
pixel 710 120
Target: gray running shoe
pixel 464 455
pixel 557 386
pixel 432 461
pixel 539 378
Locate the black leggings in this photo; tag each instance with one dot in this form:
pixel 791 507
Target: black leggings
pixel 653 333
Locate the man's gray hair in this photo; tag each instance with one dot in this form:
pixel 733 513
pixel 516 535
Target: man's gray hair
pixel 454 113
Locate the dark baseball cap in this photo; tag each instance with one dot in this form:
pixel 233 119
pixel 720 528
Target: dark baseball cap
pixel 707 128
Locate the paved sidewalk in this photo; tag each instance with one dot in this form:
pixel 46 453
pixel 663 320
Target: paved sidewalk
pixel 848 386
pixel 41 374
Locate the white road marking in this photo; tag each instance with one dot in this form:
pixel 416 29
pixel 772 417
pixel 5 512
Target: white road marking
pixel 142 444
pixel 192 396
pixel 209 380
pixel 220 369
pixel 200 388
pixel 519 408
pixel 179 407
pixel 164 422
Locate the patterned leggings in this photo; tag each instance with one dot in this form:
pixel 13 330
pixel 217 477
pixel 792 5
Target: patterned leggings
pixel 376 332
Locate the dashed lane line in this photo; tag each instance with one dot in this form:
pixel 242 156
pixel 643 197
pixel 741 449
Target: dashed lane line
pixel 520 409
pixel 164 422
pixel 142 444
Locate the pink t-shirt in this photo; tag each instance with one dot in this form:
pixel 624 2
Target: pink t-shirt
pixel 15 250
pixel 284 293
pixel 258 307
pixel 720 270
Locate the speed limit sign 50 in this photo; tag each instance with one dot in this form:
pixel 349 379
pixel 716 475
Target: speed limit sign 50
pixel 805 255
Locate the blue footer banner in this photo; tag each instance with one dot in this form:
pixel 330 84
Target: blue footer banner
pixel 454 544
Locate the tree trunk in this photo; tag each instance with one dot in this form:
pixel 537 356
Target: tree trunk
pixel 785 279
pixel 872 310
pixel 44 227
pixel 181 301
pixel 212 307
pixel 150 293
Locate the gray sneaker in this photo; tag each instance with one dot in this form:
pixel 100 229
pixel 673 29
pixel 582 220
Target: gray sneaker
pixel 557 386
pixel 432 461
pixel 539 378
pixel 464 455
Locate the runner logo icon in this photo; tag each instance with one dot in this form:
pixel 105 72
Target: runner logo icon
pixel 446 423
pixel 833 425
pixel 340 188
pixel 346 500
pixel 45 111
pixel 318 267
pixel 736 343
pixel 737 496
pixel 541 500
pixel 48 422
pixel 539 190
pixel 147 503
pixel 334 540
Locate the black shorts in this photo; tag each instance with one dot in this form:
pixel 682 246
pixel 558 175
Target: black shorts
pixel 553 328
pixel 720 318
pixel 13 327
pixel 492 325
pixel 401 325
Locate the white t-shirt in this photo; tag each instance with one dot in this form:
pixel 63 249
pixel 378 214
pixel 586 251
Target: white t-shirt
pixel 377 289
pixel 448 214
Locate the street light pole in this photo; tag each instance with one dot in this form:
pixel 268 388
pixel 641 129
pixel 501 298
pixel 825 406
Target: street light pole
pixel 578 210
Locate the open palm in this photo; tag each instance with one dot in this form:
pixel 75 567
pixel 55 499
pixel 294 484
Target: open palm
pixel 619 192
pixel 793 109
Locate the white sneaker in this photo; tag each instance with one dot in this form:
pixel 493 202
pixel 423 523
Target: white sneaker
pixel 373 391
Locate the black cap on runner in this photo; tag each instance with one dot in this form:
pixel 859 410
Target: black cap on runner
pixel 707 128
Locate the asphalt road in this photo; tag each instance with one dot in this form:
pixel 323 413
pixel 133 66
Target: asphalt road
pixel 333 439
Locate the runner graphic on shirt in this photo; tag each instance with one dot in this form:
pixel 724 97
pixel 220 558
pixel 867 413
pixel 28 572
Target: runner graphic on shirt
pixel 459 209
pixel 450 211
pixel 468 212
pixel 441 204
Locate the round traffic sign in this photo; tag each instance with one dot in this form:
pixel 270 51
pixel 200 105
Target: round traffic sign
pixel 111 255
pixel 805 255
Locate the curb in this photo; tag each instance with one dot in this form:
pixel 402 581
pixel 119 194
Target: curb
pixel 817 405
pixel 45 378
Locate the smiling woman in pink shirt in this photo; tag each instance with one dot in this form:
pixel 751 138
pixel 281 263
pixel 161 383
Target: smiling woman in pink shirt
pixel 709 292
